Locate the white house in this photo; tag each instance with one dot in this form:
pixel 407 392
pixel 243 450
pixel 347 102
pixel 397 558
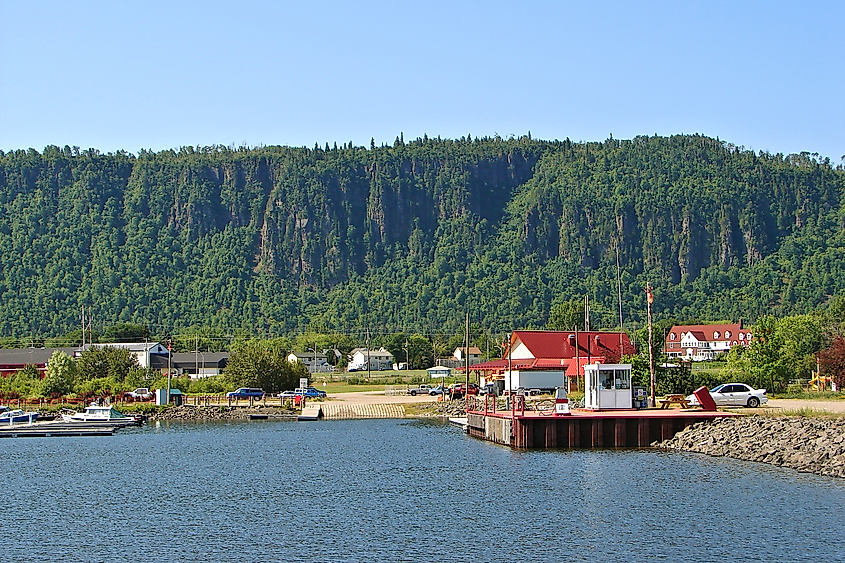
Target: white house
pixel 314 362
pixel 360 358
pixel 703 342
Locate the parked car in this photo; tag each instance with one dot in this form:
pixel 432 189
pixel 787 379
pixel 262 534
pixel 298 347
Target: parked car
pixel 488 389
pixel 735 395
pixel 139 394
pixel 423 389
pixel 439 390
pixel 246 393
pixel 310 392
pixel 456 390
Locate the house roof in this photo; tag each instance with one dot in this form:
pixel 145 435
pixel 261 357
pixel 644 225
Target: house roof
pixel 131 346
pixel 473 350
pixel 31 356
pixel 363 351
pixel 562 344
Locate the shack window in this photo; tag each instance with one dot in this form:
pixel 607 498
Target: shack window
pixel 623 379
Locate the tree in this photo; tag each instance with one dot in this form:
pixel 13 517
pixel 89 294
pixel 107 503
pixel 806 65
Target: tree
pixel 125 332
pixel 566 315
pixel 106 363
pixel 832 362
pixel 61 375
pixel 258 363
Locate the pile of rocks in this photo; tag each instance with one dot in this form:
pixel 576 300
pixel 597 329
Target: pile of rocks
pixel 810 445
pixel 218 413
pixel 456 408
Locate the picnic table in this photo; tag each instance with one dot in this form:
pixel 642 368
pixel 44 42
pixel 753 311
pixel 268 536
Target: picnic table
pixel 674 400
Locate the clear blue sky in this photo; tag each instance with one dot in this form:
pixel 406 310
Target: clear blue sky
pixel 130 75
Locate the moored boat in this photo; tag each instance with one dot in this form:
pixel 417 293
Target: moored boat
pixel 102 414
pixel 14 416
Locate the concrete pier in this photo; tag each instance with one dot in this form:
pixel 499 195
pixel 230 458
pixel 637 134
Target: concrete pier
pixel 583 429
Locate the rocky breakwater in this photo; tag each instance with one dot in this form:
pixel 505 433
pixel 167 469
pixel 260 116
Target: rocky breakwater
pixel 810 445
pixel 219 413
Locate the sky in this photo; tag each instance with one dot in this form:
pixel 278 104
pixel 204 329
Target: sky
pixel 156 75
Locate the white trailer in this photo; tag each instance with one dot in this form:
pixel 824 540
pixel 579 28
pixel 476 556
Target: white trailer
pixel 544 380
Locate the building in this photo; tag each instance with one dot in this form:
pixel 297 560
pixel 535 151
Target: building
pixel 564 352
pixel 459 357
pixel 15 359
pixel 196 364
pixel 362 359
pixel 145 352
pixel 314 362
pixel 697 343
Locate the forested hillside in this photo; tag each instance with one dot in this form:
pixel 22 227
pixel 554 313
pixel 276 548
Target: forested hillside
pixel 409 237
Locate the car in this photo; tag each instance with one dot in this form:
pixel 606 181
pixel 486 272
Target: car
pixel 735 395
pixel 139 394
pixel 439 390
pixel 488 389
pixel 456 390
pixel 246 393
pixel 311 392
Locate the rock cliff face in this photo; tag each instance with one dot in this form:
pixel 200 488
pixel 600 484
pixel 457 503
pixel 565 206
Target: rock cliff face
pixel 805 444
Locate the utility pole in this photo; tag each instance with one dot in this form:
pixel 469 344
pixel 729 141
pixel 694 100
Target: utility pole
pixel 466 360
pixel 369 367
pixel 649 301
pixel 619 291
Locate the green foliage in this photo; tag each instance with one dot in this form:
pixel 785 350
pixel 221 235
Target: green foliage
pixel 210 245
pixel 106 362
pixel 262 364
pixel 61 375
pixel 566 315
pixel 22 384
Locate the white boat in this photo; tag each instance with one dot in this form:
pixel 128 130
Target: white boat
pixel 12 416
pixel 102 414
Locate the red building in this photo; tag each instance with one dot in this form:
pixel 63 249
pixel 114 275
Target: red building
pixel 551 350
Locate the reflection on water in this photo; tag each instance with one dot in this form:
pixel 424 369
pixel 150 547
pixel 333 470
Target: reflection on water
pixel 394 490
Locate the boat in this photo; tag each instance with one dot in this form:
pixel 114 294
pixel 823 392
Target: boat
pixel 10 417
pixel 102 414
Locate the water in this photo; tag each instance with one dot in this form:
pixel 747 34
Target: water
pixel 395 490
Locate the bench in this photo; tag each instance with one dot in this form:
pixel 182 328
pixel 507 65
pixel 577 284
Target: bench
pixel 669 400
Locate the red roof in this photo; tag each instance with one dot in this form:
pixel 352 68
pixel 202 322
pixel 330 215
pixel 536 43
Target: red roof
pixel 711 333
pixel 561 344
pixel 557 349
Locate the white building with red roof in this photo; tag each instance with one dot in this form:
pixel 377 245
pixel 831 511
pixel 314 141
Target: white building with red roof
pixel 699 343
pixel 566 352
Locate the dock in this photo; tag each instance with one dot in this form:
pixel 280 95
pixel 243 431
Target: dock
pixel 310 412
pixel 582 428
pixel 55 429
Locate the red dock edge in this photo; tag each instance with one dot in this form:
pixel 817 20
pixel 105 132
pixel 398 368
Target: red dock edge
pixel 583 429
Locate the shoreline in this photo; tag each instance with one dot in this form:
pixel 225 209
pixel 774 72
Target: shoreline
pixel 807 445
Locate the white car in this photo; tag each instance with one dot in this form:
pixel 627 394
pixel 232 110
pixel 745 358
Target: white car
pixel 735 395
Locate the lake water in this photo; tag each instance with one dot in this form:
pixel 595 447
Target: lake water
pixel 396 490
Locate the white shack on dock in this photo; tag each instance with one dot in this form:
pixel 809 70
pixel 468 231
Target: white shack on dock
pixel 608 386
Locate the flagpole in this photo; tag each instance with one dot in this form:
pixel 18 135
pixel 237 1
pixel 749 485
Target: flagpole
pixel 649 301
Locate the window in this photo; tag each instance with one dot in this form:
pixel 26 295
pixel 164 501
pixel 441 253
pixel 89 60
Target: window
pixel 716 335
pixel 672 336
pixel 623 379
pixel 727 334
